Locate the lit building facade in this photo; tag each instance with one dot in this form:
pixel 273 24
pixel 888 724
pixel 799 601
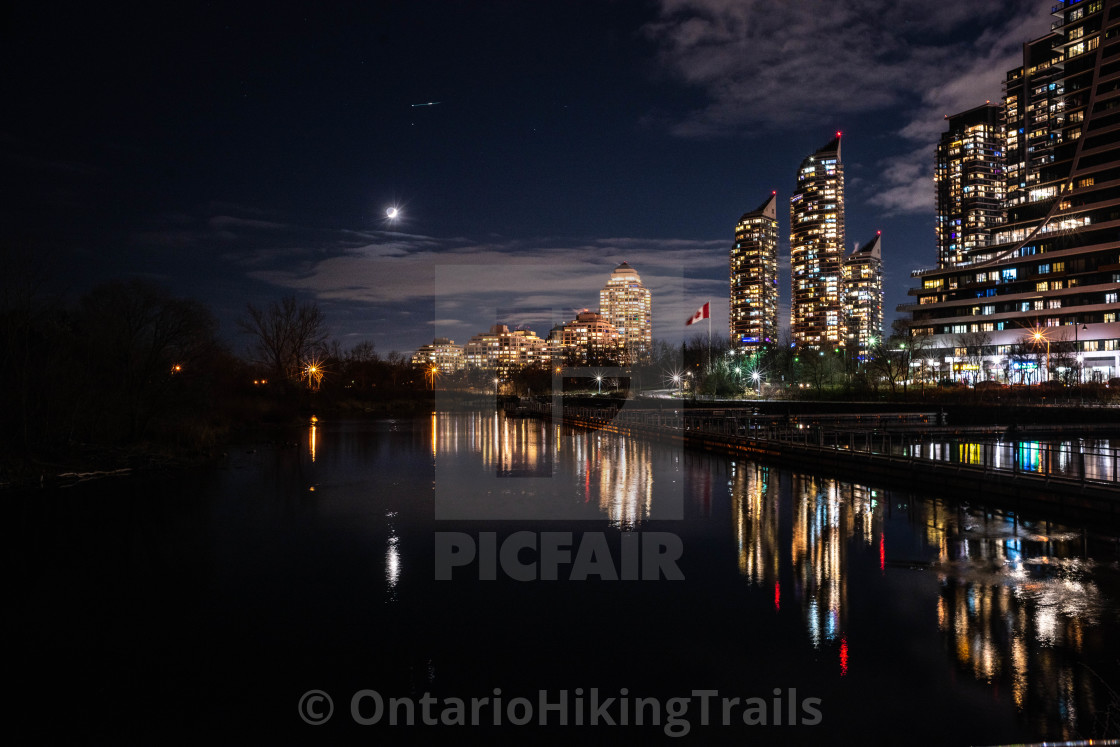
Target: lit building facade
pixel 443 353
pixel 754 278
pixel 1040 301
pixel 817 318
pixel 863 296
pixel 504 351
pixel 625 303
pixel 587 340
pixel 969 176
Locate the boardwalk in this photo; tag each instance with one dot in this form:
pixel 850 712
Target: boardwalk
pixel 1072 476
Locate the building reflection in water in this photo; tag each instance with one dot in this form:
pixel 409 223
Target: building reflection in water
pixel 826 516
pixel 1016 604
pixel 614 476
pixel 1016 601
pixel 1093 459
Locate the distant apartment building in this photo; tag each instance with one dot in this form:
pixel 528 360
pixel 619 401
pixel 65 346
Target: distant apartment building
pixel 442 353
pixel 754 278
pixel 817 316
pixel 587 340
pixel 505 351
pixel 970 182
pixel 863 297
pixel 1040 299
pixel 625 303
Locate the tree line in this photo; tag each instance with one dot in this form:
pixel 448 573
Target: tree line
pixel 130 366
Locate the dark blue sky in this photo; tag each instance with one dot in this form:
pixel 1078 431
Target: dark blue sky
pixel 240 154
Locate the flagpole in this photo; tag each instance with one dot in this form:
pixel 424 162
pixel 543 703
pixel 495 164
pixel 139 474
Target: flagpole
pixel 709 334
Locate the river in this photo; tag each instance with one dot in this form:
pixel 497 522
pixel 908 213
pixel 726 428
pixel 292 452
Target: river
pixel 208 603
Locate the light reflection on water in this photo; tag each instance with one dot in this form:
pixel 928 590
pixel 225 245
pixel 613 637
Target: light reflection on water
pixel 1018 606
pixel 1015 604
pixel 392 559
pixel 579 474
pixel 1093 459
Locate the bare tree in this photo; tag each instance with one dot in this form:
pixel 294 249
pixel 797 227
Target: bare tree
pixel 363 352
pixel 892 360
pixel 285 334
pixel 973 344
pixel 923 351
pixel 1025 356
pixel 819 367
pixel 137 342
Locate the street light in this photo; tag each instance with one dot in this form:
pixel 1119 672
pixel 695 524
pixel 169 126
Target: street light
pixel 600 380
pixel 1077 348
pixel 314 373
pixel 1039 337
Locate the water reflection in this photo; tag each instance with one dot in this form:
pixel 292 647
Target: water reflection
pixel 1015 604
pixel 392 558
pixel 573 472
pixel 1018 603
pixel 1091 459
pixel 826 516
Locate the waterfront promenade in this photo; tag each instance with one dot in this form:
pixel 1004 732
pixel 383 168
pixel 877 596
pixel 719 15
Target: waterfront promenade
pixel 1067 469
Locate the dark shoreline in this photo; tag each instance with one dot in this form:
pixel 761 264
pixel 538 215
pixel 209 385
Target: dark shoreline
pixel 273 425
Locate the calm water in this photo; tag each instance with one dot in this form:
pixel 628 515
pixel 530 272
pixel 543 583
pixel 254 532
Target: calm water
pixel 206 603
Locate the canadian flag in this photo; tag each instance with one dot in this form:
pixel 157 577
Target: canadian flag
pixel 701 313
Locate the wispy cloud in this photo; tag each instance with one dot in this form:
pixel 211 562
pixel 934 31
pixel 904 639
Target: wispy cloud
pixel 766 66
pixel 400 288
pixel 538 283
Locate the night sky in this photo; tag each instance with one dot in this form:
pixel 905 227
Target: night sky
pixel 242 153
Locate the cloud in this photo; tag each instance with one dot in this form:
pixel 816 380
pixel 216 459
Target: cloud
pixel 420 286
pixel 467 286
pixel 975 78
pixel 908 180
pixel 767 66
pixel 777 64
pixel 229 222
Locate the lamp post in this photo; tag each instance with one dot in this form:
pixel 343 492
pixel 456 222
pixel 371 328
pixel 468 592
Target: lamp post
pixel 599 380
pixel 1039 337
pixel 1077 348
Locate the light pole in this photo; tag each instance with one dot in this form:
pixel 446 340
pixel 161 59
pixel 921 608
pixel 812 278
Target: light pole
pixel 599 380
pixel 1077 348
pixel 1039 337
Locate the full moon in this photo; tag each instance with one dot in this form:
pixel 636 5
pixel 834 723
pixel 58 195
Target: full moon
pixel 392 213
